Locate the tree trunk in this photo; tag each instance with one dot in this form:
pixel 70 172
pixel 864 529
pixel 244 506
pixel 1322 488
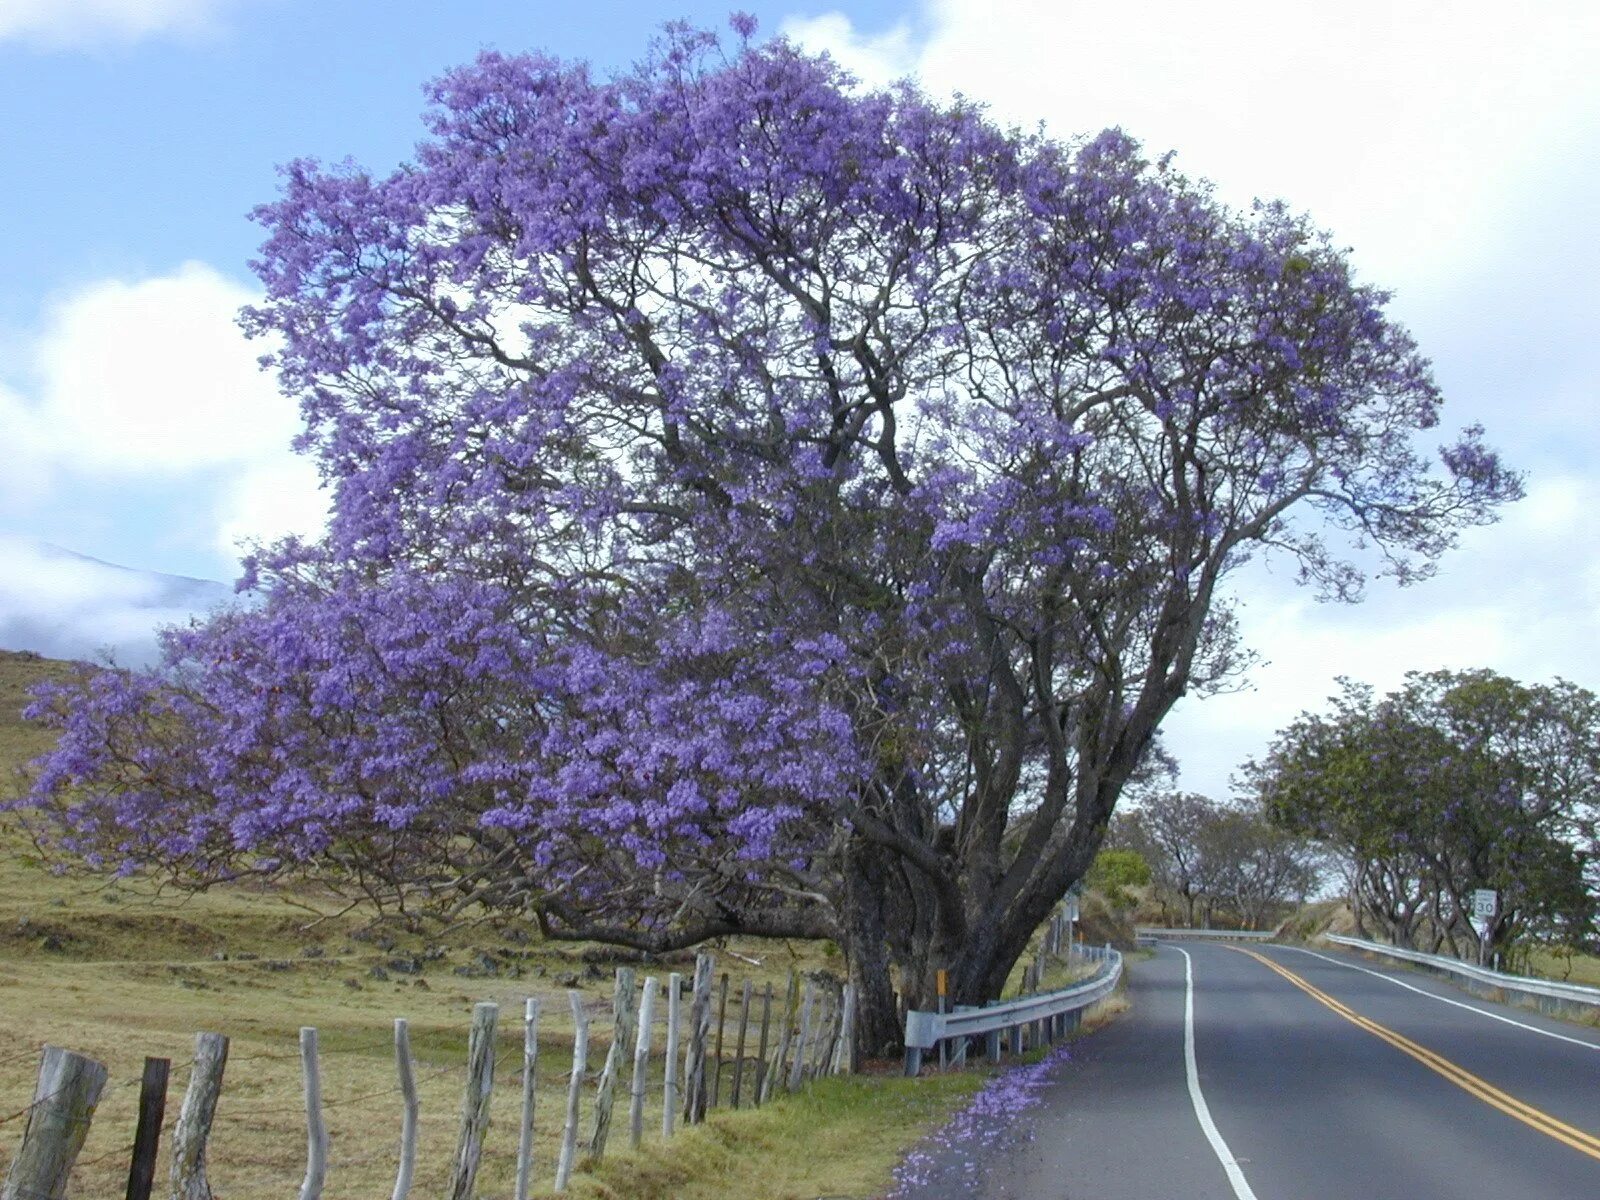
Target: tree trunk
pixel 865 945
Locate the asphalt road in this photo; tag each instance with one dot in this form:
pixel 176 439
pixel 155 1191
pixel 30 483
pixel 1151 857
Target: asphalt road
pixel 1317 1077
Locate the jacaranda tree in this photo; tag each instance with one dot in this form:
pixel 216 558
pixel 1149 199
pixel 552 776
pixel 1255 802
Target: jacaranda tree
pixel 760 505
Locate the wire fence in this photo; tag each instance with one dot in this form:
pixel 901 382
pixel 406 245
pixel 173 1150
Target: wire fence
pixel 714 1042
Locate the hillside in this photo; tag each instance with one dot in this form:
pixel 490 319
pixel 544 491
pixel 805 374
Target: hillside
pixel 19 741
pixel 61 603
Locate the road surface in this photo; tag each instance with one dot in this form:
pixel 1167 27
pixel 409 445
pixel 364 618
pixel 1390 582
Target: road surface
pixel 1274 1073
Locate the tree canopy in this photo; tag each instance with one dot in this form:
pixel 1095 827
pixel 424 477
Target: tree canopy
pixel 1455 781
pixel 760 504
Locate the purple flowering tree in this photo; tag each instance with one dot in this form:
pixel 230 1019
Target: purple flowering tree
pixel 761 506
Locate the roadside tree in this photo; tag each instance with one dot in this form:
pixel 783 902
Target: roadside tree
pixel 1454 782
pixel 760 505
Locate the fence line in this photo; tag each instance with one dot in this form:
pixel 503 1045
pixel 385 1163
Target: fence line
pixel 778 1043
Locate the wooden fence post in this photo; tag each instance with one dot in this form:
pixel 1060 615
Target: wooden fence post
pixel 823 1063
pixel 641 1061
pixel 188 1176
pixel 738 1050
pixel 722 1021
pixel 475 1101
pixel 616 1059
pixel 316 1131
pixel 669 1102
pixel 530 1064
pixel 147 1136
pixel 844 1055
pixel 580 1064
pixel 694 1065
pixel 64 1099
pixel 407 1071
pixel 791 1003
pixel 760 1085
pixel 797 1068
pixel 821 1018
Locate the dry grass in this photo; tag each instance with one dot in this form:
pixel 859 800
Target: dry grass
pixel 158 987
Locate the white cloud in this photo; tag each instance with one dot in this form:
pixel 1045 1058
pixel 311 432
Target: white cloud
pixel 272 500
pixel 1521 598
pixel 154 376
pixel 875 59
pixel 143 383
pixel 1411 129
pixel 74 23
pixel 67 606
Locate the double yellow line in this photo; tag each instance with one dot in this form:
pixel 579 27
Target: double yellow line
pixel 1584 1143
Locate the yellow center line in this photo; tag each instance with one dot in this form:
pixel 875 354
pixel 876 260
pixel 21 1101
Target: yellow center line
pixel 1584 1143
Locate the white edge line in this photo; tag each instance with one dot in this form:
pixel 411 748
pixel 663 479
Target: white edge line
pixel 1482 1012
pixel 1202 1111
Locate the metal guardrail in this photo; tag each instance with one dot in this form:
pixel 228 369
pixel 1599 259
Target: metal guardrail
pixel 926 1030
pixel 1158 933
pixel 1538 989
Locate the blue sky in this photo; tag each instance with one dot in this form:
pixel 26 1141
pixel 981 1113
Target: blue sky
pixel 1454 145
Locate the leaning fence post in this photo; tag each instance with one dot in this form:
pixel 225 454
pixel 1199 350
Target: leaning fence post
pixel 791 1002
pixel 147 1136
pixel 188 1174
pixel 823 1064
pixel 669 1086
pixel 759 1087
pixel 408 1119
pixel 475 1100
pixel 580 1064
pixel 641 1061
pixel 798 1066
pixel 530 1063
pixel 738 1050
pixel 722 1021
pixel 694 1065
pixel 64 1099
pixel 823 1023
pixel 616 1058
pixel 316 1131
pixel 844 1054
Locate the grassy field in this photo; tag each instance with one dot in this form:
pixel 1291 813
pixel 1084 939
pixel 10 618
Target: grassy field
pixel 120 970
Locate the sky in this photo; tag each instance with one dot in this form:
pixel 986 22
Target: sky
pixel 1453 146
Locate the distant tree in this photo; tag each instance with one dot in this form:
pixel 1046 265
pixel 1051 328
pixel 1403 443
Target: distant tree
pixel 1173 825
pixel 1457 781
pixel 1255 868
pixel 759 506
pixel 1115 872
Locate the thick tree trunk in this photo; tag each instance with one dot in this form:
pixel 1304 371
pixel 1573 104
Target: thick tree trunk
pixel 865 937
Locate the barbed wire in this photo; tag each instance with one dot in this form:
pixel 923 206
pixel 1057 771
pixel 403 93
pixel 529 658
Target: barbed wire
pixel 28 1053
pixel 22 1112
pixel 100 1158
pixel 424 1077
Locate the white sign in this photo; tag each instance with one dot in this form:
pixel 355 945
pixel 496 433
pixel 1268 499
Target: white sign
pixel 1484 903
pixel 1072 908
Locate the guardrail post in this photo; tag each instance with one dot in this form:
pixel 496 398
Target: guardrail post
pixel 913 1061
